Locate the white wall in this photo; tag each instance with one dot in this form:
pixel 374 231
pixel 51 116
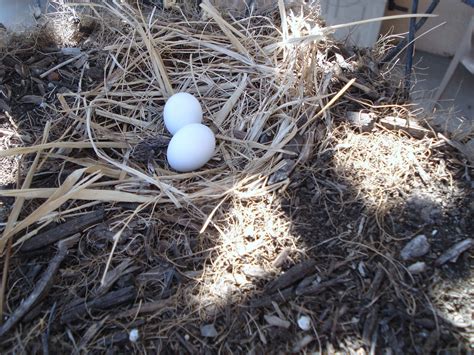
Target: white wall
pixel 444 40
pixel 18 14
pixel 337 12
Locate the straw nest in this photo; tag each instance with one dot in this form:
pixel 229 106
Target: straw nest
pixel 263 88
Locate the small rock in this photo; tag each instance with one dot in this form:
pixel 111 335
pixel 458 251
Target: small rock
pixel 209 331
pixel 417 268
pixel 254 271
pixel 302 343
pixel 415 248
pixel 133 336
pixel 54 76
pixel 304 322
pixel 277 321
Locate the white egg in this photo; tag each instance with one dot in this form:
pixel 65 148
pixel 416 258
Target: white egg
pixel 191 147
pixel 180 110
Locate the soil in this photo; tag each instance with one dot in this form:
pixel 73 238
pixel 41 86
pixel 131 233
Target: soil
pixel 329 223
pixel 351 281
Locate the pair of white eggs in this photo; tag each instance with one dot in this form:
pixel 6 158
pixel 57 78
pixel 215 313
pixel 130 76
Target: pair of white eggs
pixel 193 144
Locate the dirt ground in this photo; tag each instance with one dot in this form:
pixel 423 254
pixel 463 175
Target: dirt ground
pixel 316 266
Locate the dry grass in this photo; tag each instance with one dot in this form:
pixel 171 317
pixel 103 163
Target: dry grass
pixel 381 165
pixel 388 170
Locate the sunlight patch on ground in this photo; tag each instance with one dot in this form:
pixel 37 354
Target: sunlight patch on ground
pixel 253 235
pixel 388 168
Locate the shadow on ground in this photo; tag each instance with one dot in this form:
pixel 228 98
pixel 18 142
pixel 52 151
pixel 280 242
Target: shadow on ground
pixel 356 231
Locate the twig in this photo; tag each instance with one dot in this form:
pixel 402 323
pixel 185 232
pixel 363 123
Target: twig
pixel 45 336
pixel 6 264
pixel 43 284
pixel 60 65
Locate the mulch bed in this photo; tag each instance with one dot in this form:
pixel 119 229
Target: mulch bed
pixel 296 237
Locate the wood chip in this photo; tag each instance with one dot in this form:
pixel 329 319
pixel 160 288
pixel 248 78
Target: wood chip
pixel 281 258
pixel 279 297
pixel 32 99
pixel 361 120
pixel 452 254
pixel 409 126
pixel 4 106
pixel 366 121
pixel 277 321
pixel 149 307
pixel 124 268
pixel 302 343
pixel 320 287
pixel 254 271
pixel 64 230
pixel 81 308
pixel 290 277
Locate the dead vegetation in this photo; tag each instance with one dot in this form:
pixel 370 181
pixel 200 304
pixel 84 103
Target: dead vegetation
pixel 298 214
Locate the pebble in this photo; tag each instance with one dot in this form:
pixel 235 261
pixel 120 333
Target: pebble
pixel 208 331
pixel 415 248
pixel 133 336
pixel 304 322
pixel 54 76
pixel 417 268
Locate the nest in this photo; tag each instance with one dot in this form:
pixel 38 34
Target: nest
pixel 263 88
